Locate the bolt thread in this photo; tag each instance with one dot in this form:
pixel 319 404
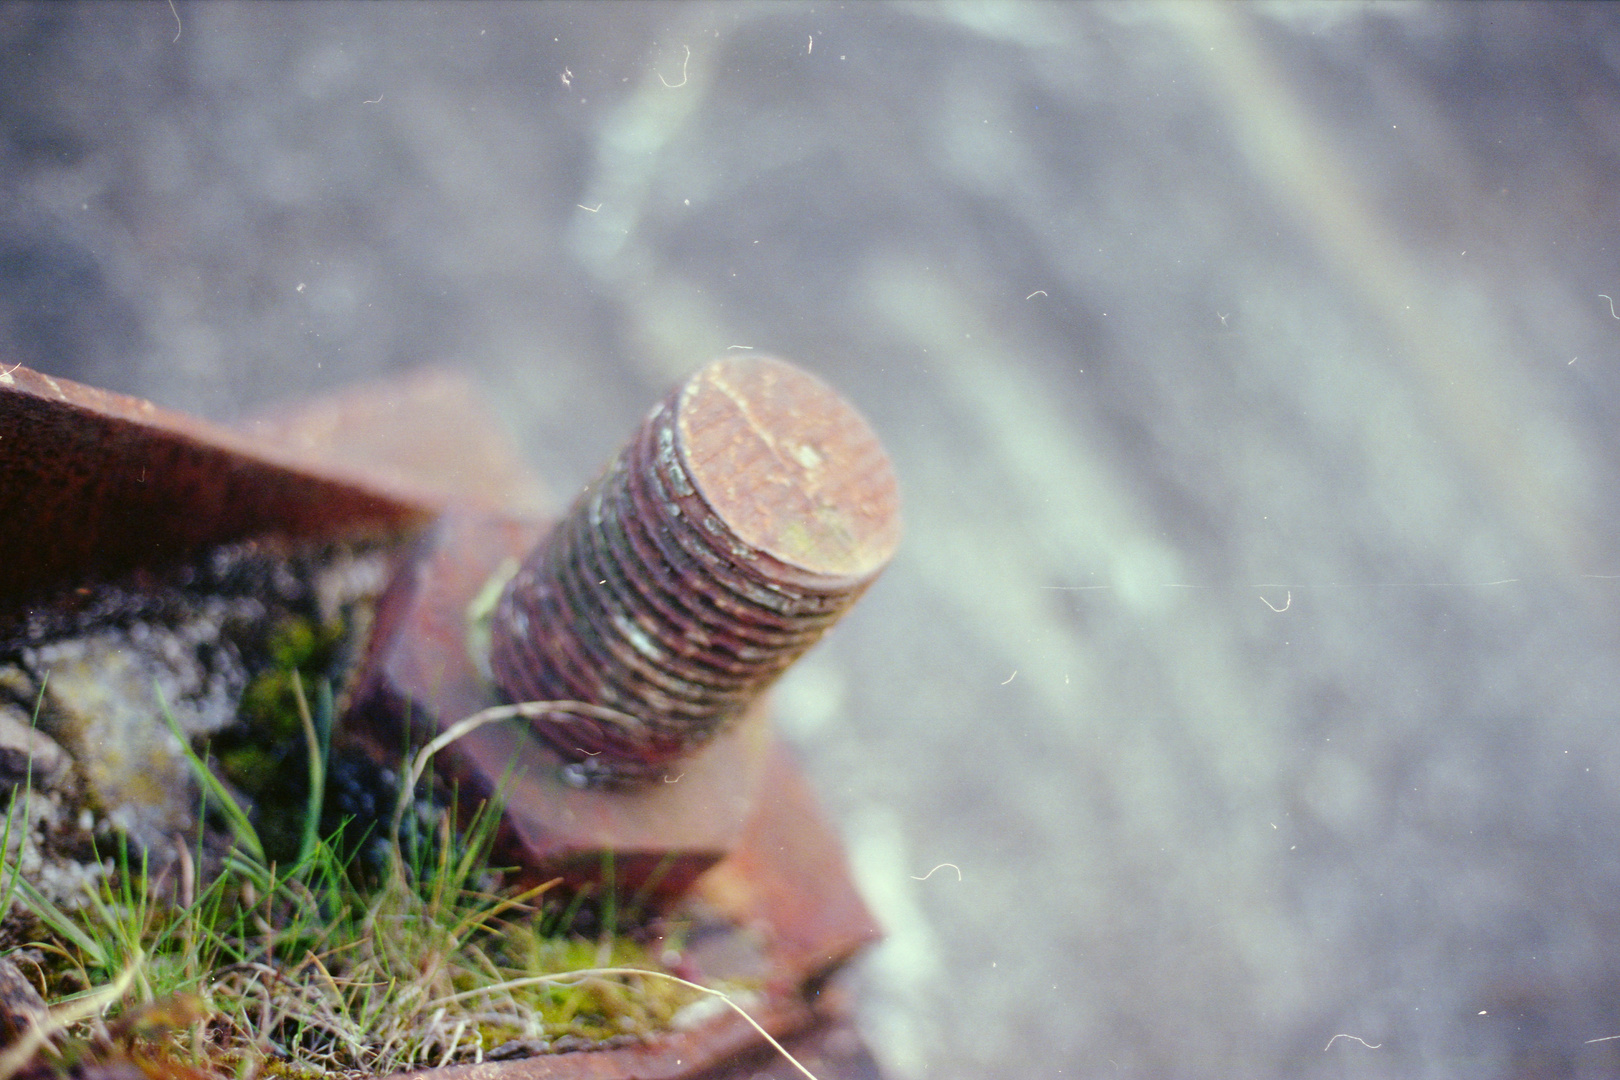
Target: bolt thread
pixel 681 584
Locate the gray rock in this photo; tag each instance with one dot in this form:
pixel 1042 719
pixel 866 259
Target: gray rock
pixel 29 756
pixel 21 1007
pixel 105 696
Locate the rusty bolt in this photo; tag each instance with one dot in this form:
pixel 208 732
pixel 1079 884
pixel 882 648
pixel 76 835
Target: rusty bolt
pixel 752 507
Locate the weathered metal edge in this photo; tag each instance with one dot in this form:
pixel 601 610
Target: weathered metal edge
pixel 95 484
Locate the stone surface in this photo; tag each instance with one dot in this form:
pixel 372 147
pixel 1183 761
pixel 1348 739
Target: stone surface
pixel 105 696
pixel 21 1007
pixel 1297 303
pixel 28 756
pixel 49 829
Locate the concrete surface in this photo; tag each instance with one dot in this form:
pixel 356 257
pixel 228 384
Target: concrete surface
pixel 1248 675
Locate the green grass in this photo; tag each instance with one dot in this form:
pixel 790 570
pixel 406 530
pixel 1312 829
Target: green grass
pixel 312 967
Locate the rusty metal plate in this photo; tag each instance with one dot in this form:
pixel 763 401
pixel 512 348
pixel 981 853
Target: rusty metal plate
pixel 428 432
pixel 94 485
pixel 417 673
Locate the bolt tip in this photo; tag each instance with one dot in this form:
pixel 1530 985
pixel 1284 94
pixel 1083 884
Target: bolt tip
pixel 790 467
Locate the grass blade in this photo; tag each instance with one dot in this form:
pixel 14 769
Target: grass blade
pixel 58 921
pixel 11 871
pixel 317 770
pixel 241 828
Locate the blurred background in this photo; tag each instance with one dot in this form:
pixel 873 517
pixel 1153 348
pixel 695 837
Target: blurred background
pixel 1249 673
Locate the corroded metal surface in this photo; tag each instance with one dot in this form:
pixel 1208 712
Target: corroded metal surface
pixel 791 470
pixel 426 431
pixel 729 830
pixel 95 484
pixel 419 673
pixel 733 836
pixel 119 485
pixel 788 881
pixel 749 511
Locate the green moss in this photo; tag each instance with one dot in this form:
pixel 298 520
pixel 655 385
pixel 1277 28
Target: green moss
pixel 264 755
pixel 594 1009
pixel 251 768
pixel 492 1035
pixel 270 702
pixel 278 1069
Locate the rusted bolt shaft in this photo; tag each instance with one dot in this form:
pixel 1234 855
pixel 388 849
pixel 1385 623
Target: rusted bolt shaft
pixel 750 510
